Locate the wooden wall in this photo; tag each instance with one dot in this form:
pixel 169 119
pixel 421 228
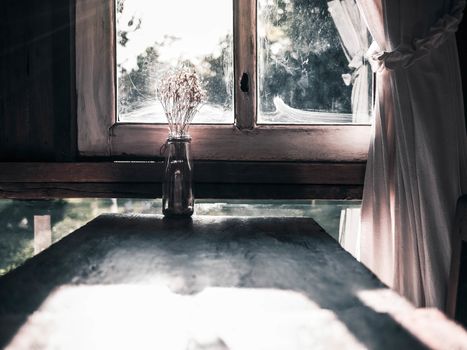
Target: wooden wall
pixel 37 88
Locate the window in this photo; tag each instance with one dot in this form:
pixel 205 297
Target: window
pixel 294 58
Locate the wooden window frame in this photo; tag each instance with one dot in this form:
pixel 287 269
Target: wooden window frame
pixel 99 134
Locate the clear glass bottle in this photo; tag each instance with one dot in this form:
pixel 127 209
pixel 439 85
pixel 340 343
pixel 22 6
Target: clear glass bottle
pixel 177 192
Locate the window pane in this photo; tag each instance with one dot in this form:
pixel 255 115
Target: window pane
pixel 28 225
pixel 154 36
pixel 334 216
pixel 311 64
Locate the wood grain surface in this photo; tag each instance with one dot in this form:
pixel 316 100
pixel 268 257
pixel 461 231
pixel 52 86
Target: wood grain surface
pixel 317 143
pixel 245 63
pixel 95 69
pixel 204 172
pixel 248 180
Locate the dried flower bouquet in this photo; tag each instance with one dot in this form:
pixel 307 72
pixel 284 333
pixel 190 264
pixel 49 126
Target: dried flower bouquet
pixel 181 95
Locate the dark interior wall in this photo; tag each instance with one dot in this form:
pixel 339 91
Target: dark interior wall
pixel 461 36
pixel 37 88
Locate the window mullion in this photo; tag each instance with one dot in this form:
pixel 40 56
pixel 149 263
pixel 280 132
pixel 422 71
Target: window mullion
pixel 245 63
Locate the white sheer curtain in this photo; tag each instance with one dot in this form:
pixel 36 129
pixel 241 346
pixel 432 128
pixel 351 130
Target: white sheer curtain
pixel 417 159
pixel 354 38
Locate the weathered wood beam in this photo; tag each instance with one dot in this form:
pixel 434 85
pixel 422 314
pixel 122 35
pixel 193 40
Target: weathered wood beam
pixel 204 172
pixel 245 63
pixel 288 143
pixel 154 190
pixel 268 180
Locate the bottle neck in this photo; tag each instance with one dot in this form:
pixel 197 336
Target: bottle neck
pixel 178 138
pixel 178 148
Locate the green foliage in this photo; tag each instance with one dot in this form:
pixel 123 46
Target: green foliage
pixel 17 224
pixel 17 229
pixel 307 75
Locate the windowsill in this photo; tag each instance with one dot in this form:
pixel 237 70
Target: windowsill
pixel 214 179
pixel 292 143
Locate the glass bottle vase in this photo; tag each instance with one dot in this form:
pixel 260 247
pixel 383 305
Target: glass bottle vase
pixel 177 192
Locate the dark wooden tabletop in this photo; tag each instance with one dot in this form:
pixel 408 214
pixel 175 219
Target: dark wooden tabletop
pixel 142 282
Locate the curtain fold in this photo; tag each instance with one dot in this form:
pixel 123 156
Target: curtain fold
pixel 417 161
pixel 354 39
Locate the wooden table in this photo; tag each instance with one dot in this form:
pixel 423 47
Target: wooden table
pixel 142 282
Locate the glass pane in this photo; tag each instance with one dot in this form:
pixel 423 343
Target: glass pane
pixel 28 227
pixel 155 36
pixel 311 64
pixel 334 216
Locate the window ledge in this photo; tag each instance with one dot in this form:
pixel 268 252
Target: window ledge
pixel 273 180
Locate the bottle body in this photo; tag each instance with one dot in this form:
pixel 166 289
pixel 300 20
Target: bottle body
pixel 177 192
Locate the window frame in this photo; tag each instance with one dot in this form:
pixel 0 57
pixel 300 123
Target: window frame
pixel 100 135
